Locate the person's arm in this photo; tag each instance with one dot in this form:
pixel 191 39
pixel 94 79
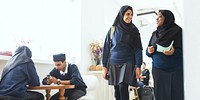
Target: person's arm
pixel 151 48
pixel 150 51
pixel 66 82
pixel 148 74
pixel 52 74
pixel 75 76
pixel 142 77
pixel 44 81
pixel 106 53
pixel 33 78
pixel 58 81
pixel 106 50
pixel 138 59
pixel 177 47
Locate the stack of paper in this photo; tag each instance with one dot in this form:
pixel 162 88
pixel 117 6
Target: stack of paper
pixel 161 48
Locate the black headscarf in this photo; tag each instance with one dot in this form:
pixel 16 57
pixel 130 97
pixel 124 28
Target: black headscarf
pixel 169 20
pixel 130 34
pixel 22 55
pixel 168 32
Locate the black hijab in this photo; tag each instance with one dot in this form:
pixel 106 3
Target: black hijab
pixel 168 22
pixel 168 32
pixel 130 34
pixel 22 55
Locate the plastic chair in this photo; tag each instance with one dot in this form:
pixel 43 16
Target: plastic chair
pixel 92 83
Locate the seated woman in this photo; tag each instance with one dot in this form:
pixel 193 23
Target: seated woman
pixel 17 74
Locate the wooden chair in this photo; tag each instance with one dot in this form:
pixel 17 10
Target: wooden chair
pixel 135 93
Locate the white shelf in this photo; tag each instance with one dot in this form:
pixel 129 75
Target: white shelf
pixel 4 57
pixel 95 72
pixel 41 61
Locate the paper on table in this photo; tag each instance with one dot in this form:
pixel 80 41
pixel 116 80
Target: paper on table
pixel 161 48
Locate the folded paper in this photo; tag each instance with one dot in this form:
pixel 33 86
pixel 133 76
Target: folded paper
pixel 161 48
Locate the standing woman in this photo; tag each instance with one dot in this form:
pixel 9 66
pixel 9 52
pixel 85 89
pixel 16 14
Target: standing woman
pixel 124 54
pixel 167 65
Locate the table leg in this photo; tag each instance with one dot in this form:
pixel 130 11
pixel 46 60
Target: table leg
pixel 48 94
pixel 61 92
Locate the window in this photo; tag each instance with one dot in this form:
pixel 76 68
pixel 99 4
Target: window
pixel 48 25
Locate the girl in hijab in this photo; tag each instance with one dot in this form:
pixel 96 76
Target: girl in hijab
pixel 167 64
pixel 123 53
pixel 17 74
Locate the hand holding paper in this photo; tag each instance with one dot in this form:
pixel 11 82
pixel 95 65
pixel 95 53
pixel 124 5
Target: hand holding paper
pixel 161 48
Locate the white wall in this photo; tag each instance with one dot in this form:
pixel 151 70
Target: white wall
pixel 51 26
pixel 2 64
pixel 97 18
pixel 63 26
pixel 92 28
pixel 191 49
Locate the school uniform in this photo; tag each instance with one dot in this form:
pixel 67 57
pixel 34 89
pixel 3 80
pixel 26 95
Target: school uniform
pixel 17 74
pixel 167 70
pixel 75 78
pixel 123 53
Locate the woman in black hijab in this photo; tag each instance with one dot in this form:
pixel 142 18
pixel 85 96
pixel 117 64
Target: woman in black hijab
pixel 17 74
pixel 167 64
pixel 123 53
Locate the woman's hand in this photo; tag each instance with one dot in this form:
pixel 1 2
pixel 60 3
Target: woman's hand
pixel 170 52
pixel 150 49
pixel 138 72
pixel 105 71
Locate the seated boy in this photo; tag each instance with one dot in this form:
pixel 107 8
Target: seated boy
pixel 66 73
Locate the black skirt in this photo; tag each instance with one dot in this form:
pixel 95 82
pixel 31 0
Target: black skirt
pixel 121 73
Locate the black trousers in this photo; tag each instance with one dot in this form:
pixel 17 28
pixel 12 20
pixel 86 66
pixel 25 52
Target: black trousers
pixel 168 85
pixel 32 95
pixel 71 94
pixel 8 98
pixel 121 91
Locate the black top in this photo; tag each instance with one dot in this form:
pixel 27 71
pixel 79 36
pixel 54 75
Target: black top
pixel 22 55
pixel 73 75
pixel 147 74
pixel 126 46
pixel 163 36
pixel 167 32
